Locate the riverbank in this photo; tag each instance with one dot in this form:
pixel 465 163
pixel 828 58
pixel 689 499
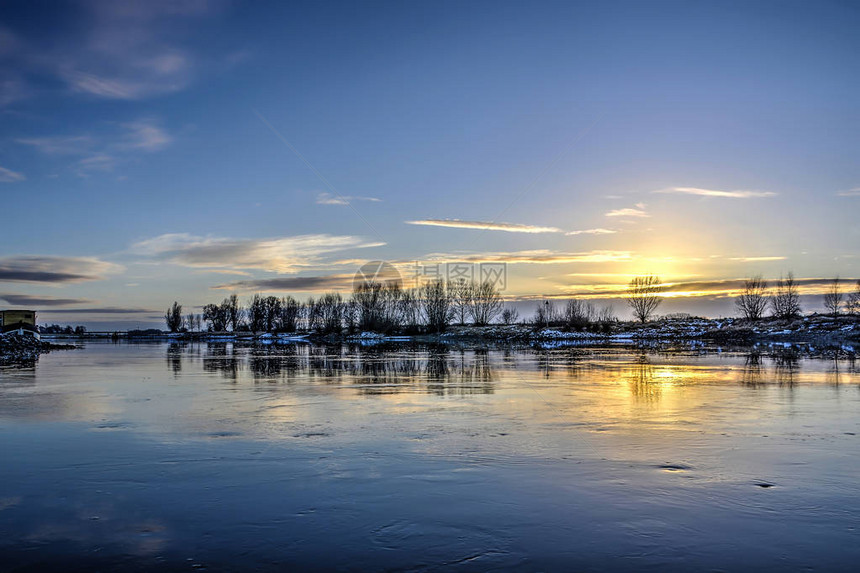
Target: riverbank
pixel 25 349
pixel 818 330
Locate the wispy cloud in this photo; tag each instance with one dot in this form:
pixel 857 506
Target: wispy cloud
pixel 737 194
pixel 36 300
pixel 48 269
pixel 540 256
pixel 59 145
pixel 638 211
pixel 131 50
pixel 100 310
pixel 9 176
pixel 756 259
pixel 329 199
pixel 855 192
pixel 488 226
pixel 125 50
pixel 97 162
pixel 107 150
pixel 300 284
pixel 281 255
pixel 592 232
pixel 691 289
pixel 146 135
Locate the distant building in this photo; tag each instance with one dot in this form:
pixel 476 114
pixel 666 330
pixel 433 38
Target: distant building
pixel 20 320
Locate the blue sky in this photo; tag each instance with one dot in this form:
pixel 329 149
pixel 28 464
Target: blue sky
pixel 154 151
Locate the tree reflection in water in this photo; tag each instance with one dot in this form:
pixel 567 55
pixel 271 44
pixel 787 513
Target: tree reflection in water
pixel 752 373
pixel 640 377
pixel 372 370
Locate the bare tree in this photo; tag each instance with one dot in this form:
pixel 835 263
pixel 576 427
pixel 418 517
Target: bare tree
pixel 833 297
pixel 545 314
pixel 214 315
pixel 232 312
pixel 189 322
pixel 410 309
pixel 461 299
pixel 290 314
pixel 786 301
pixel 330 307
pixel 436 303
pixel 510 316
pixel 368 298
pixel 173 317
pixel 313 315
pixel 579 314
pixel 257 313
pixel 852 304
pixel 643 296
pixel 350 316
pixel 485 303
pixel 752 301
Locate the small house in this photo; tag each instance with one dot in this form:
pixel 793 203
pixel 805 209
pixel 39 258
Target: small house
pixel 20 320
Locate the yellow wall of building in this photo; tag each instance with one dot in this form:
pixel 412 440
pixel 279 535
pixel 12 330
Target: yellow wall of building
pixel 16 316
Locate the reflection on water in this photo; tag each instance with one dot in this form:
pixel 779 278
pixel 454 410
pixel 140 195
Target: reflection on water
pixel 272 457
pixel 434 369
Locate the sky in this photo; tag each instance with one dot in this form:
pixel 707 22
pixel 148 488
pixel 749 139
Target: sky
pixel 156 151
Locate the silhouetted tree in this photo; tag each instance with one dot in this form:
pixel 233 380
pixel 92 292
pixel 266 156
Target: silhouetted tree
pixel 410 309
pixel 461 292
pixel 436 304
pixel 752 301
pixel 257 313
pixel 331 312
pixel 290 314
pixel 510 316
pixel 579 314
pixel 232 312
pixel 214 315
pixel 786 301
pixel 545 314
pixel 485 303
pixel 833 297
pixel 271 313
pixel 350 316
pixel 173 317
pixel 643 296
pixel 852 304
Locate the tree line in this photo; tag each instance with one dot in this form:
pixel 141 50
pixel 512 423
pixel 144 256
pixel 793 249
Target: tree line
pixel 373 306
pixel 783 300
pixel 436 305
pixel 756 298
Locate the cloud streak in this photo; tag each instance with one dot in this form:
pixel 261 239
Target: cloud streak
pixel 40 269
pixel 592 232
pixel 538 257
pixel 693 289
pixel 35 300
pixel 738 194
pixel 639 211
pixel 300 284
pixel 486 226
pixel 280 255
pixel 9 176
pixel 106 151
pixel 756 259
pixel 855 192
pixel 329 199
pixel 101 310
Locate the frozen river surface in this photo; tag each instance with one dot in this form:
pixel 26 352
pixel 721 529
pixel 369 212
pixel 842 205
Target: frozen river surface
pixel 188 457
